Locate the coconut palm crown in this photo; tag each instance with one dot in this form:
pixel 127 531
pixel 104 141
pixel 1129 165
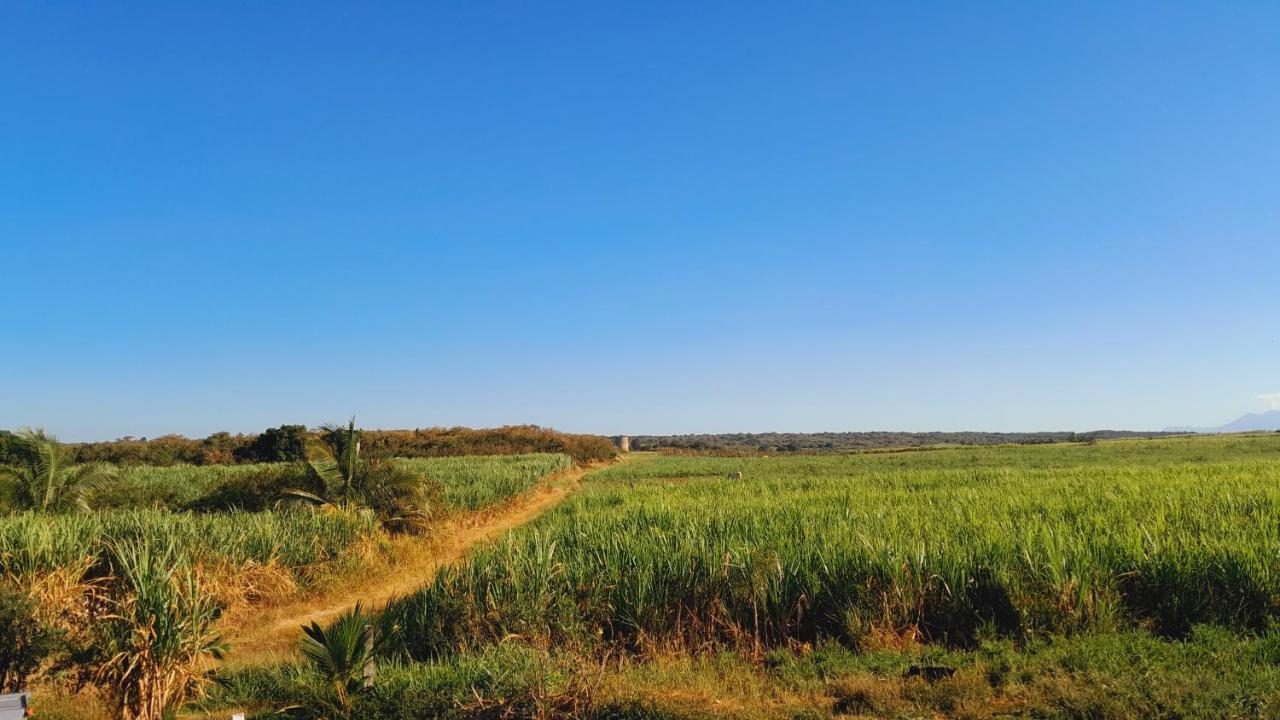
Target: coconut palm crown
pixel 47 479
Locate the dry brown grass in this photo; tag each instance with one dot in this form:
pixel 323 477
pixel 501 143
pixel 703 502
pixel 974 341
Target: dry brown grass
pixel 248 585
pixel 57 701
pixel 65 599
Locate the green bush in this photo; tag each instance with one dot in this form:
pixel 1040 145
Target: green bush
pixel 287 443
pixel 254 491
pixel 24 642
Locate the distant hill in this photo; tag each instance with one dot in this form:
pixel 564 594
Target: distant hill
pixel 1253 422
pixel 845 441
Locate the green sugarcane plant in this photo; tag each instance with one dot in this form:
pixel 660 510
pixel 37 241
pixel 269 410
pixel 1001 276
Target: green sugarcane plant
pixel 47 480
pixel 158 638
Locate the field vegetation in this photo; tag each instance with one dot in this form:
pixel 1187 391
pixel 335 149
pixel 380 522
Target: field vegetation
pixel 1125 579
pixel 1114 579
pixel 946 547
pixel 115 578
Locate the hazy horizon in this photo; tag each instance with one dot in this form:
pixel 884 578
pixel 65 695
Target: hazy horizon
pixel 610 433
pixel 641 219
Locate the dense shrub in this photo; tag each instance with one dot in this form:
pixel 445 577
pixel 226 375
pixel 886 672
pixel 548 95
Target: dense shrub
pixel 511 440
pixel 165 450
pixel 13 449
pixel 470 482
pixel 287 444
pixel 258 490
pixel 24 642
pixel 153 648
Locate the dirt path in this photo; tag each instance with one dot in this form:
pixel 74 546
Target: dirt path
pixel 271 634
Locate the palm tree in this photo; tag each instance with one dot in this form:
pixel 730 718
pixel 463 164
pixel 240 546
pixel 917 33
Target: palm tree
pixel 47 480
pixel 402 499
pixel 344 654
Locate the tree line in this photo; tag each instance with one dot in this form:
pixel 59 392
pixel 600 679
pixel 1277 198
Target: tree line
pixel 775 442
pixel 288 443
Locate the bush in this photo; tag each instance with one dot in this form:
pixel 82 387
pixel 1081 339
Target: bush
pixel 24 642
pixel 287 443
pixel 14 450
pixel 251 492
pixel 511 440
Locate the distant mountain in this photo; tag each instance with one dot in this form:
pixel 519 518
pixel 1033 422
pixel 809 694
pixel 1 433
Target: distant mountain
pixel 1253 422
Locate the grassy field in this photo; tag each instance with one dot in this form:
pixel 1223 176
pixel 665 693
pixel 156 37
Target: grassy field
pixel 34 543
pixel 149 503
pixel 1124 579
pixel 1119 579
pixel 476 482
pixel 470 482
pixel 947 546
pixel 221 542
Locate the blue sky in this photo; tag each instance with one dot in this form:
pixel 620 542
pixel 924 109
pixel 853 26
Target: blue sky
pixel 639 217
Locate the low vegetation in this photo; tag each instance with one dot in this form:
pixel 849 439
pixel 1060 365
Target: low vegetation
pixel 32 543
pixel 949 547
pixel 473 483
pixel 1131 675
pixel 116 578
pixel 344 655
pixel 1116 579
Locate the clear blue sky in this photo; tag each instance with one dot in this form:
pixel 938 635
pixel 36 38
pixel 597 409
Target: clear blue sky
pixel 638 217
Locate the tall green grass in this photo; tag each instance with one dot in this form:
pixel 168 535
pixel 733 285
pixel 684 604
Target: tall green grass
pixel 470 482
pixel 146 504
pixel 177 487
pixel 947 546
pixel 475 482
pixel 32 542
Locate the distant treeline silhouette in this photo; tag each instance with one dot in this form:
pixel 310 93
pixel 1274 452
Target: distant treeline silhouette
pixel 844 441
pixel 287 444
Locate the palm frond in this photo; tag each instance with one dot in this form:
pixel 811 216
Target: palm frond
pixel 46 458
pixel 305 495
pixel 47 481
pixel 82 481
pixel 324 466
pixel 344 652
